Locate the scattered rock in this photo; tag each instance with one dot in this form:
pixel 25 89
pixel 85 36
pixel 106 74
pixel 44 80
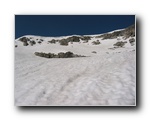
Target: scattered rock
pixel 24 40
pixel 112 35
pixel 39 42
pixel 120 44
pixel 32 42
pixel 126 33
pixel 96 42
pixel 132 40
pixel 52 41
pixel 129 32
pixel 85 38
pixel 69 39
pixel 73 39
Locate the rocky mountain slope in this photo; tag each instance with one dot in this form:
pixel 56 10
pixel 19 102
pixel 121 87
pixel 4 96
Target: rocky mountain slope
pixel 76 70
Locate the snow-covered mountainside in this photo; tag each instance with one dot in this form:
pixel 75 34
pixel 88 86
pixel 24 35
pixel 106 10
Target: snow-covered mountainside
pixel 106 76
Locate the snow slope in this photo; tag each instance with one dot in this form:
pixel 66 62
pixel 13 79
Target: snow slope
pixel 105 78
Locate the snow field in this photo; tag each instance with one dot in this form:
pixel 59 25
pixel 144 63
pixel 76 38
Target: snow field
pixel 104 78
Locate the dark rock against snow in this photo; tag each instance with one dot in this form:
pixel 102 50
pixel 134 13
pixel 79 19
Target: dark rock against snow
pixel 59 55
pixel 68 54
pixel 96 42
pixel 39 42
pixel 112 35
pixel 63 42
pixel 25 44
pixel 120 44
pixel 132 40
pixel 94 52
pixel 129 32
pixel 126 33
pixel 86 38
pixel 73 39
pixel 52 41
pixel 69 39
pixel 24 40
pixel 32 42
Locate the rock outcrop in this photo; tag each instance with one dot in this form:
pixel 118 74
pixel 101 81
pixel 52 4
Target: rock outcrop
pixel 59 55
pixel 126 33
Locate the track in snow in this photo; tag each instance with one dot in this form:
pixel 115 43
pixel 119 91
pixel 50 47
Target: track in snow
pixel 99 80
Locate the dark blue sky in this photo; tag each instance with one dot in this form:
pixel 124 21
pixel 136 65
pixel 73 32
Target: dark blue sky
pixel 61 25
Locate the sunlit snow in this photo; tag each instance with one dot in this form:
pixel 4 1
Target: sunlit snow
pixel 106 77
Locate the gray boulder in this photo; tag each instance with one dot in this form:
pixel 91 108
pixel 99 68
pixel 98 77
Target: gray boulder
pixel 96 42
pixel 52 41
pixel 132 41
pixel 32 42
pixel 63 42
pixel 120 44
pixel 24 40
pixel 39 42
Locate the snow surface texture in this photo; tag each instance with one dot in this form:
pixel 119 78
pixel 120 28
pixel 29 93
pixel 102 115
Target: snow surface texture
pixel 106 77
